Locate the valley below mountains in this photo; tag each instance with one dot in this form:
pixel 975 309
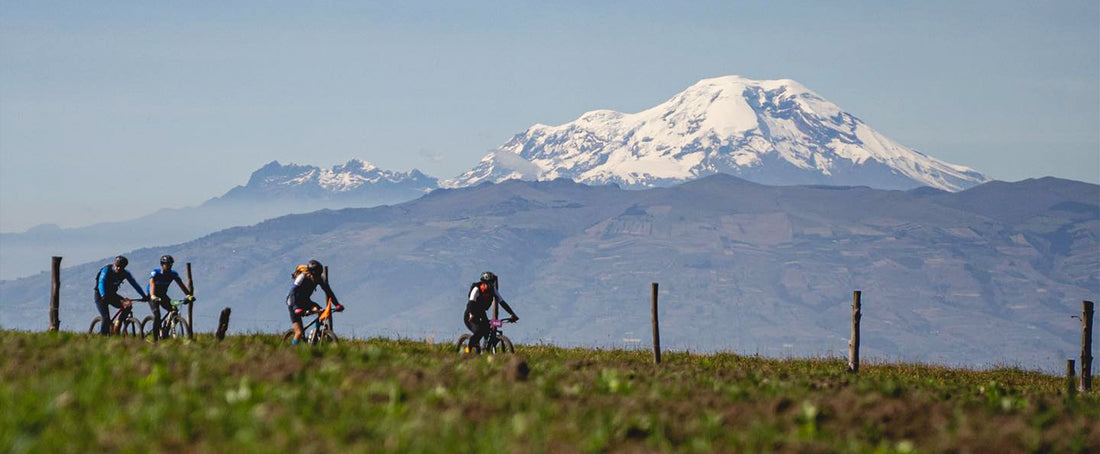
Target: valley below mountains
pixel 986 276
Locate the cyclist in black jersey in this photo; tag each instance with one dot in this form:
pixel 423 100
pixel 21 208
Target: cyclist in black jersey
pixel 482 295
pixel 160 279
pixel 306 280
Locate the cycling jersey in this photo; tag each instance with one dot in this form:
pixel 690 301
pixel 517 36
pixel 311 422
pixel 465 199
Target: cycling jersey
pixel 162 280
pixel 482 296
pixel 108 281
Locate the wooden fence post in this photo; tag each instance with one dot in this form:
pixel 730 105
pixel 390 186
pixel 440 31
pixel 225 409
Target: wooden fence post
pixel 496 305
pixel 324 274
pixel 656 328
pixel 55 293
pixel 853 343
pixel 191 306
pixel 223 324
pixel 1086 346
pixel 1071 381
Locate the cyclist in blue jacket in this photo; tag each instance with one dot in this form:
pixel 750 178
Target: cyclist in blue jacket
pixel 108 280
pixel 159 282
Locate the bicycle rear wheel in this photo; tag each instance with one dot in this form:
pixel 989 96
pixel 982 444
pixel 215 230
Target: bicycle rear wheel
pixel 462 342
pixel 147 327
pixel 94 327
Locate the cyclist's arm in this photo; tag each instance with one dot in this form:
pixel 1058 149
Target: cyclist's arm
pixel 134 284
pixel 328 292
pixel 102 284
pixel 508 308
pixel 186 291
pixel 474 293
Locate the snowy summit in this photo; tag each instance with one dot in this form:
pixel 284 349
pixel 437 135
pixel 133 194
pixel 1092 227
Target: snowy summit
pixel 768 131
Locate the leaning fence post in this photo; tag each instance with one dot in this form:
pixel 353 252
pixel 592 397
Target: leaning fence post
pixel 853 343
pixel 190 307
pixel 1086 346
pixel 656 328
pixel 55 293
pixel 223 324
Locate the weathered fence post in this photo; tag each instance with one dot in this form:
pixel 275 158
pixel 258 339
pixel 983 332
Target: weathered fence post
pixel 1071 380
pixel 324 274
pixel 1086 346
pixel 55 293
pixel 853 343
pixel 190 307
pixel 223 324
pixel 656 329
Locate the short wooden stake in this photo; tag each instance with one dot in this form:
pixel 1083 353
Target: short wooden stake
pixel 1086 346
pixel 496 305
pixel 656 328
pixel 223 323
pixel 324 275
pixel 55 294
pixel 853 343
pixel 1071 380
pixel 191 306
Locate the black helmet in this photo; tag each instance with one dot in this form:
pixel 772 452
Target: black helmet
pixel 315 267
pixel 489 277
pixel 167 260
pixel 121 261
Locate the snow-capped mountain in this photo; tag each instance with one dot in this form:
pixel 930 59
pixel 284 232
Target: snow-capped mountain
pixel 353 179
pixel 769 131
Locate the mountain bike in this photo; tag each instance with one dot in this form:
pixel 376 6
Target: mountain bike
pixel 123 322
pixel 318 331
pixel 171 325
pixel 496 342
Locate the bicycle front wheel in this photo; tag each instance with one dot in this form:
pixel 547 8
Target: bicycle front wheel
pixel 132 328
pixel 178 328
pixel 328 337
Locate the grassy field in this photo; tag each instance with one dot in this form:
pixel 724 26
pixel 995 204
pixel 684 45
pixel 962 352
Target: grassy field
pixel 76 393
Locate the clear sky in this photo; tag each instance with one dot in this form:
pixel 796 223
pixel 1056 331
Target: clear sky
pixel 111 110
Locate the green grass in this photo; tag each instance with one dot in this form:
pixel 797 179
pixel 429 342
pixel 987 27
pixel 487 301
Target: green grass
pixel 65 392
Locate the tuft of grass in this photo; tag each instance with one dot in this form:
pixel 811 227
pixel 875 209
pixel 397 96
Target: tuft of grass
pixel 66 392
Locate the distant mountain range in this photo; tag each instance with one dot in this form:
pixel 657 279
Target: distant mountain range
pixel 769 131
pixel 989 275
pixel 772 131
pixel 273 190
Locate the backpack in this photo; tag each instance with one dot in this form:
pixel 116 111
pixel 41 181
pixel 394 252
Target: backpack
pixel 299 270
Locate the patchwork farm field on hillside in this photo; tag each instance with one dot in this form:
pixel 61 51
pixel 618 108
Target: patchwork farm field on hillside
pixel 76 393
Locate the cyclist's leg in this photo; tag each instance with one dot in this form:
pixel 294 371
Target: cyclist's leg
pixel 104 314
pixel 156 320
pixel 478 323
pixel 295 319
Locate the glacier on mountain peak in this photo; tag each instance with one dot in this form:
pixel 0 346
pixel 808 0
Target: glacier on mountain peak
pixel 769 131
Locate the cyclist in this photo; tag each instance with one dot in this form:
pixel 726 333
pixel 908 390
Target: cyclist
pixel 108 280
pixel 482 295
pixel 306 279
pixel 159 281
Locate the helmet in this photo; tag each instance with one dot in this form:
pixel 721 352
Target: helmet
pixel 489 277
pixel 121 261
pixel 167 260
pixel 315 267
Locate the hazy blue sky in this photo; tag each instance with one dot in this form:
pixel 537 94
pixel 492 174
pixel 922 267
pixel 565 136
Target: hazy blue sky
pixel 112 110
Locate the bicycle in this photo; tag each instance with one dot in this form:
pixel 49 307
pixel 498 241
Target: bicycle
pixel 123 322
pixel 496 342
pixel 171 325
pixel 318 331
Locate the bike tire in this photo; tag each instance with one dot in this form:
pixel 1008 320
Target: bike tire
pixel 94 327
pixel 461 343
pixel 180 329
pixel 132 328
pixel 288 336
pixel 147 327
pixel 328 337
pixel 505 345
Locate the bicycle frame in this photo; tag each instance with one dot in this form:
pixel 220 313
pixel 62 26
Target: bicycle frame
pixel 312 331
